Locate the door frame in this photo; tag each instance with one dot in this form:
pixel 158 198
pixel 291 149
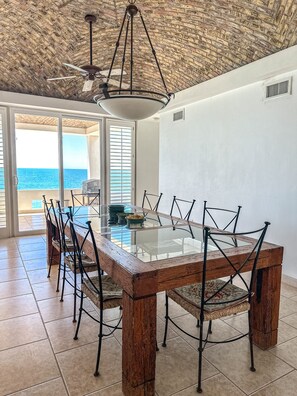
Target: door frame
pixel 14 226
pixel 6 232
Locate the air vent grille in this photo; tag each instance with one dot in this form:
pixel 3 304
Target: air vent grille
pixel 280 88
pixel 179 115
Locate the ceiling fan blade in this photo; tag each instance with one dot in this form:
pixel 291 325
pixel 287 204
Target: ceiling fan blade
pixel 116 83
pixel 114 72
pixel 75 68
pixel 60 78
pixel 88 85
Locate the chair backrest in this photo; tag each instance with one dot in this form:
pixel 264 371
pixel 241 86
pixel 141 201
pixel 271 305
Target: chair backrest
pixel 46 208
pixel 228 218
pixel 62 219
pixel 217 239
pixel 152 200
pixel 182 207
pixel 93 198
pixel 85 233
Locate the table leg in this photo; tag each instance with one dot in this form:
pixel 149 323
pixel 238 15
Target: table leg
pixel 139 345
pixel 265 306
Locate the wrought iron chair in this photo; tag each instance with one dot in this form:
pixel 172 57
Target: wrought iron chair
pixel 214 299
pixel 55 240
pixel 229 217
pixel 182 207
pixel 100 289
pixel 60 244
pixel 152 200
pixel 93 199
pixel 69 264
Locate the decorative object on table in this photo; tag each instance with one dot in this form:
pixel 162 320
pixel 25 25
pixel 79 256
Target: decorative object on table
pixel 133 103
pixel 91 72
pixel 135 221
pixel 122 218
pixel 113 210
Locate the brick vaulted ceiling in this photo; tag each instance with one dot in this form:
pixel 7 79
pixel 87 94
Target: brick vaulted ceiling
pixel 195 40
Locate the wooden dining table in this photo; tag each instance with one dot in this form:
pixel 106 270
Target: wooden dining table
pixel 166 253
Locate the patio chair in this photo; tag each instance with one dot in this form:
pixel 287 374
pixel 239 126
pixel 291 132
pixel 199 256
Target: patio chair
pixel 90 194
pixel 214 299
pixel 100 289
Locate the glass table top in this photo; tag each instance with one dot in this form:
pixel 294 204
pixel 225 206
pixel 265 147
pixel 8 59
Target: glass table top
pixel 161 237
pixel 165 242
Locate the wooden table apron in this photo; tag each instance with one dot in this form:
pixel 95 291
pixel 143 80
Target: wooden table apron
pixel 141 281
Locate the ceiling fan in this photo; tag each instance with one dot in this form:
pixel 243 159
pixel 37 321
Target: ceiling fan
pixel 91 72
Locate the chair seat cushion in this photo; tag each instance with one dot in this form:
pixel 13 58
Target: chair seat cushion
pixel 112 293
pixel 222 304
pixel 88 264
pixel 69 245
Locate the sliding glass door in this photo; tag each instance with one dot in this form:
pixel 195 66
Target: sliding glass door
pixel 5 213
pixel 36 170
pixel 54 154
pixel 81 159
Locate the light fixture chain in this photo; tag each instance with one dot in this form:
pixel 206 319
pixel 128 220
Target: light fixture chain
pixel 131 56
pixel 91 43
pixel 116 47
pixel 153 51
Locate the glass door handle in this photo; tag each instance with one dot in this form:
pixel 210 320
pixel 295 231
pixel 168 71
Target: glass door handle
pixel 16 180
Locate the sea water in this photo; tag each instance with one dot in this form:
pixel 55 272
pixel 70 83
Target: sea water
pixel 48 179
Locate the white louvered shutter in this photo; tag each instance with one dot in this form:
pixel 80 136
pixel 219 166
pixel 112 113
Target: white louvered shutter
pixel 121 163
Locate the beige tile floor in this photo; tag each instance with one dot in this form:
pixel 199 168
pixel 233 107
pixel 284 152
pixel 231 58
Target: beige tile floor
pixel 38 355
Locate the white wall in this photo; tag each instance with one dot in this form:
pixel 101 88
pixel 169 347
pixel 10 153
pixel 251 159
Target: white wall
pixel 236 148
pixel 147 158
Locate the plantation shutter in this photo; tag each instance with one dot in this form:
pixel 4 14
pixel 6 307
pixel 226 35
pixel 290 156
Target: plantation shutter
pixel 121 163
pixel 2 180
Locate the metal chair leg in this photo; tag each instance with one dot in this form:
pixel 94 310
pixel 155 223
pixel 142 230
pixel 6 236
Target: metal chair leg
pixel 63 280
pixel 79 316
pixel 252 368
pixel 96 374
pixel 166 321
pixel 59 272
pixel 74 296
pixel 50 262
pixel 209 327
pixel 200 350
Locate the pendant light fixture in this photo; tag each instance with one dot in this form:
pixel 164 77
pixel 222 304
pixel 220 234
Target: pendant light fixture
pixel 132 103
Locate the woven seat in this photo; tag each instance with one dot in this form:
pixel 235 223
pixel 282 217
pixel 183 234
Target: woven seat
pixel 214 299
pixel 222 304
pixel 89 264
pixel 111 292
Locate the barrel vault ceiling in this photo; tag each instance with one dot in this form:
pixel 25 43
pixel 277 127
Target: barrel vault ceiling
pixel 195 40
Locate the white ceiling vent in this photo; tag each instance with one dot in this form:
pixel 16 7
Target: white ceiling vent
pixel 279 88
pixel 179 115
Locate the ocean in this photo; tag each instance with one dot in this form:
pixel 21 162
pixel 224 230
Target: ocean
pixel 48 179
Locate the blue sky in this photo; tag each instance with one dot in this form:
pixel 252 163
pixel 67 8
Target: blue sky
pixel 38 149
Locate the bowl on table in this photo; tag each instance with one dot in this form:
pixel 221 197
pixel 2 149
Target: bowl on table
pixel 135 221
